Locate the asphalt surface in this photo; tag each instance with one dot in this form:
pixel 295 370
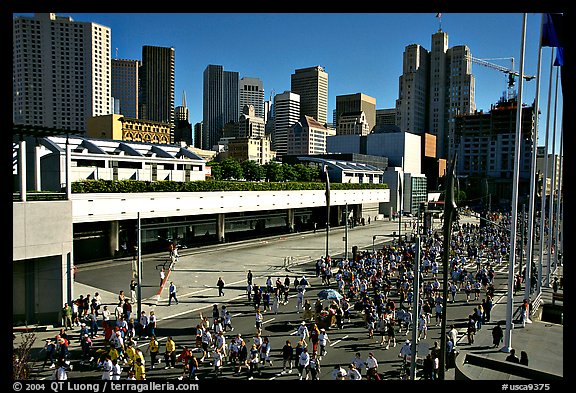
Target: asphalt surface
pixel 197 270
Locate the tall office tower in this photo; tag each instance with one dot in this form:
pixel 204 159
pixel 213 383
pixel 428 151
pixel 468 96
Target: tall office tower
pixel 61 71
pixel 157 84
pixel 286 113
pixel 435 87
pixel 358 102
pixel 125 85
pixel 311 84
pixel 220 103
pixel 252 93
pixel 198 131
pixel 412 103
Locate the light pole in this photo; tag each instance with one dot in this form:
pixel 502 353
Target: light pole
pixel 346 231
pixel 327 207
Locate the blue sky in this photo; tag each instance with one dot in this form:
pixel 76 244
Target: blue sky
pixel 361 52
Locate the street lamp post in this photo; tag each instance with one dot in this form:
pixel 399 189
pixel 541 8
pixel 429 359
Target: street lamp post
pixel 327 208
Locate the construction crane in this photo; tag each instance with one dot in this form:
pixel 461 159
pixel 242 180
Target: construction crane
pixel 509 71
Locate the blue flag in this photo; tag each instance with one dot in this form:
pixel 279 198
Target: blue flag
pixel 553 30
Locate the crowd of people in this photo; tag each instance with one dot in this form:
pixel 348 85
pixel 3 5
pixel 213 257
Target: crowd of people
pixel 376 286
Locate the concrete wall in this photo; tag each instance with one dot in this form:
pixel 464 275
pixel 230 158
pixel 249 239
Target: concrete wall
pixel 42 260
pixel 111 206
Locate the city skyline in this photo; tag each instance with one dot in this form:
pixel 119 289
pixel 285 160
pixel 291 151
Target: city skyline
pixel 362 53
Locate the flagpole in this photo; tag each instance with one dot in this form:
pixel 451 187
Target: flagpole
pixel 513 223
pixel 529 248
pixel 552 187
pixel 561 159
pixel 544 182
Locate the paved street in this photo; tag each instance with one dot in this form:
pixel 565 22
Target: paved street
pixel 195 276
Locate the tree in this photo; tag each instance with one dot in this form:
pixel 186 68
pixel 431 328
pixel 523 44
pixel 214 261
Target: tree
pixel 273 171
pixel 305 172
pixel 289 173
pixel 231 169
pixel 252 170
pixel 21 357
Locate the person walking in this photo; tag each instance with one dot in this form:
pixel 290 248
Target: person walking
pixel 512 357
pixel 323 339
pixel 153 348
pixel 162 276
pixel 220 284
pixel 170 353
pixel 372 367
pixel 139 370
pixel 172 295
pixel 524 358
pixel 287 356
pixel 249 277
pixel 314 367
pixel 303 364
pixel 133 287
pixel 497 335
pixel 67 316
pixel 152 324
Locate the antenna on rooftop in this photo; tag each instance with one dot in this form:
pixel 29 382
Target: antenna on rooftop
pixel 439 16
pixel 116 53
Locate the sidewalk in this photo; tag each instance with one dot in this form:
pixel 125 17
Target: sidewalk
pixel 542 340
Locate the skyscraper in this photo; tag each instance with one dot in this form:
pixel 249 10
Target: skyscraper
pixel 183 129
pixel 61 71
pixel 220 104
pixel 125 86
pixel 435 87
pixel 252 93
pixel 286 113
pixel 311 84
pixel 157 84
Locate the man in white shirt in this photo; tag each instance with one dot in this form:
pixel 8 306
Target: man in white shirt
pixel 303 332
pixel 372 367
pixel 303 364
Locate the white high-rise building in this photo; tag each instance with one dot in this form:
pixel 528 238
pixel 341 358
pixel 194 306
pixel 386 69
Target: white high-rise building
pixel 61 71
pixel 311 84
pixel 286 113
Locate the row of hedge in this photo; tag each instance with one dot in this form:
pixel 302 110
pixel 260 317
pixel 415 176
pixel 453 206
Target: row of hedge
pixel 133 186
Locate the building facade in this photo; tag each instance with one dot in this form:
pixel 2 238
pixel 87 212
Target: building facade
pixel 61 71
pixel 122 128
pixel 251 92
pixel 353 123
pixel 311 84
pixel 220 103
pixel 358 102
pixel 307 136
pixel 286 113
pixel 125 86
pixel 157 84
pixel 434 88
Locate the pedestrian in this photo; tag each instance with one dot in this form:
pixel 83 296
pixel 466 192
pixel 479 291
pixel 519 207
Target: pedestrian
pixel 143 325
pixel 242 357
pixel 497 335
pixel 170 353
pixel 303 364
pixel 227 319
pixel 172 295
pixel 524 358
pixel 358 362
pixel 303 332
pixel 524 312
pixel 258 321
pixel 353 373
pixel 133 286
pixel 372 368
pixel 253 362
pixel 139 370
pixel 162 276
pixel 512 357
pixel 67 316
pixel 217 362
pixel 127 309
pixel 287 356
pixel 314 367
pixel 220 284
pixel 50 349
pixel 249 277
pixel 323 339
pixel 60 373
pixel 428 367
pixel 107 368
pixel 152 324
pixel 153 348
pixel 116 370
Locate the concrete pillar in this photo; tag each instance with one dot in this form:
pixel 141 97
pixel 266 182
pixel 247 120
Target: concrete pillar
pixel 22 169
pixel 291 220
pixel 220 227
pixel 68 167
pixel 114 237
pixel 37 168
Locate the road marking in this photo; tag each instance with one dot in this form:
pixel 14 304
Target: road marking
pixel 268 320
pixel 337 341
